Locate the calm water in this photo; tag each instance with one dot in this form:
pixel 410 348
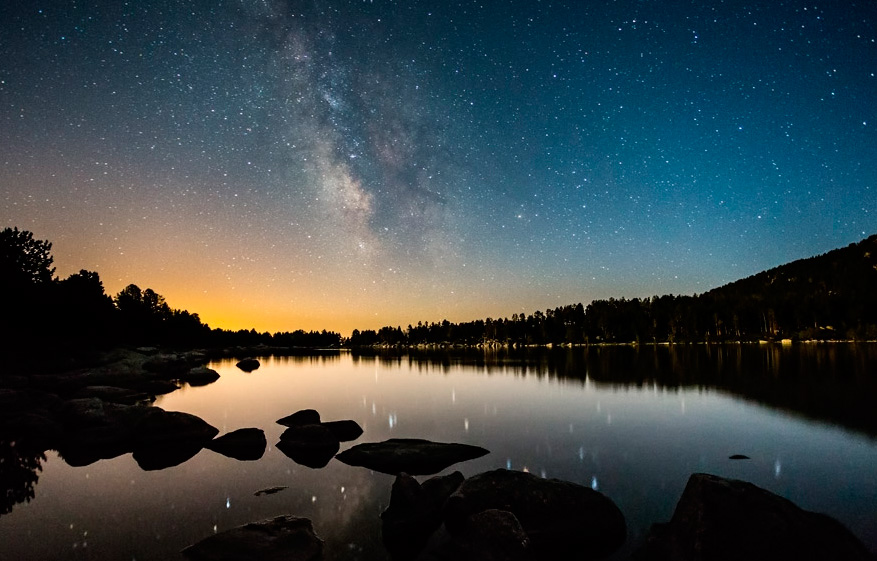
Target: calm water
pixel 634 423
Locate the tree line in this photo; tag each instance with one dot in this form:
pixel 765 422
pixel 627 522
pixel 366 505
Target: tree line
pixel 829 297
pixel 44 315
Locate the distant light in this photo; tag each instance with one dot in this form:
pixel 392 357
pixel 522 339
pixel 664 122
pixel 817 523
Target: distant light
pixel 228 502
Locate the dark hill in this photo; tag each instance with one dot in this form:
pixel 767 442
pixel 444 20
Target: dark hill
pixel 833 295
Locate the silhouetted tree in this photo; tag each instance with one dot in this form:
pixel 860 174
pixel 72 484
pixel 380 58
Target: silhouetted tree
pixel 23 260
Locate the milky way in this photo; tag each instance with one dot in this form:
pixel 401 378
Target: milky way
pixel 338 164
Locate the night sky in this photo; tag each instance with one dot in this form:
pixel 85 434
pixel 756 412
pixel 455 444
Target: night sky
pixel 338 164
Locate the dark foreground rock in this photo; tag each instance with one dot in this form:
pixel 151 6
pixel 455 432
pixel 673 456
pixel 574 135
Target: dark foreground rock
pixel 248 364
pixel 491 535
pixel 409 455
pixel 562 520
pixel 286 538
pixel 312 446
pixel 723 519
pixel 415 512
pixel 243 444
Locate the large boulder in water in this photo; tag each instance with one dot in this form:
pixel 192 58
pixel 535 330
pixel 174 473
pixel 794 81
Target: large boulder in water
pixel 562 520
pixel 243 444
pixel 345 430
pixel 724 519
pixel 409 455
pixel 312 446
pixel 200 376
pixel 159 427
pixel 248 364
pixel 287 538
pixel 164 439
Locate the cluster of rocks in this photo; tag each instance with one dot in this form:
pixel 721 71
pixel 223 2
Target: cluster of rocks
pixel 514 516
pixel 499 515
pixel 313 443
pixel 106 411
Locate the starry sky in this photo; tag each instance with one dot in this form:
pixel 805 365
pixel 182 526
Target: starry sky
pixel 332 164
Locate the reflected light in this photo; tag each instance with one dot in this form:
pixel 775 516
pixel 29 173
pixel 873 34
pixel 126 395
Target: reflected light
pixel 594 483
pixel 466 425
pixel 777 468
pixel 228 502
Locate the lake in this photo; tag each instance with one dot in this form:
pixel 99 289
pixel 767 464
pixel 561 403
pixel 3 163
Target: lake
pixel 632 422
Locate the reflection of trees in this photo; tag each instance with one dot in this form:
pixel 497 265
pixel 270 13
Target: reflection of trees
pixel 828 382
pixel 19 467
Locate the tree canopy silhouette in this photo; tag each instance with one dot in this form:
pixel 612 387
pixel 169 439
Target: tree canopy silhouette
pixel 24 260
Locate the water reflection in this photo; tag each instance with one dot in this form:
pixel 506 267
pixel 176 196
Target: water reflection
pixel 826 382
pixel 20 464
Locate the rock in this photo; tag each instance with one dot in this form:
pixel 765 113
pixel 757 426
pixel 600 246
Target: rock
pixel 155 457
pixel 312 446
pixel 344 431
pixel 36 427
pixel 97 430
pixel 303 417
pixel 409 455
pixel 200 376
pixel 248 364
pixel 159 427
pixel 738 457
pixel 113 394
pixel 90 444
pixel 721 519
pixel 270 490
pixel 490 535
pixel 242 444
pixel 167 365
pixel 147 350
pixel 561 519
pixel 286 538
pixel 415 512
pixel 165 439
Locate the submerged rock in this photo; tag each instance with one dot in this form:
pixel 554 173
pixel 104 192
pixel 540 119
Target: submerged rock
pixel 561 519
pixel 270 490
pixel 243 444
pixel 303 417
pixel 415 512
pixel 287 538
pixel 726 519
pixel 739 457
pixel 248 364
pixel 409 455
